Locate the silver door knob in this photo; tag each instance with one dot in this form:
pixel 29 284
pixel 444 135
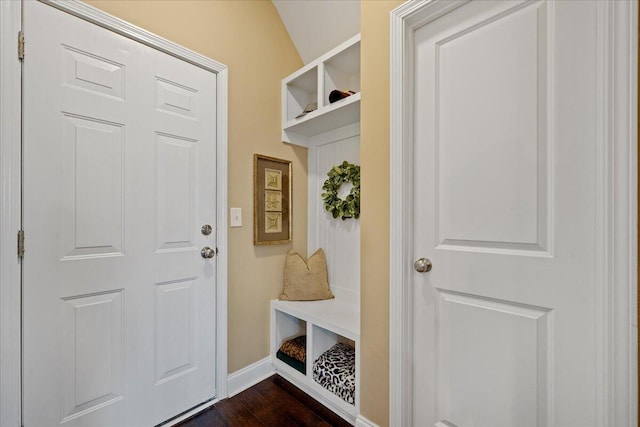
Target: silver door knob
pixel 423 265
pixel 207 252
pixel 206 229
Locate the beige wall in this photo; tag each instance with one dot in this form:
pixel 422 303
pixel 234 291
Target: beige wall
pixel 374 227
pixel 250 39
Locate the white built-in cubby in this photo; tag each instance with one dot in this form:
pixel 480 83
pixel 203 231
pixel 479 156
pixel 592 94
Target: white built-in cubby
pixel 325 323
pixel 337 69
pixel 332 135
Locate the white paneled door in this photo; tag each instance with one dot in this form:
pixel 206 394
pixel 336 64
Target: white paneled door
pixel 119 178
pixel 505 325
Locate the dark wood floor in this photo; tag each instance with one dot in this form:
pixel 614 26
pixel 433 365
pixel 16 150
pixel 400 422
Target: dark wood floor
pixel 273 402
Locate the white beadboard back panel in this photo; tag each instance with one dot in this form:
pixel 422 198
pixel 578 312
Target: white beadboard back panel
pixel 339 238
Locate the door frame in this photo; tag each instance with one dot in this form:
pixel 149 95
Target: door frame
pixel 11 200
pixel 617 211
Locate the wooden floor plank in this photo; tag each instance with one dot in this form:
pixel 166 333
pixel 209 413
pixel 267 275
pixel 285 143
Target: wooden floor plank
pixel 273 402
pixel 207 418
pixel 236 414
pixel 325 413
pixel 263 409
pixel 290 406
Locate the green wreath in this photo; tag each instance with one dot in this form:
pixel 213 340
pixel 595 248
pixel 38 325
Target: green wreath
pixel 350 206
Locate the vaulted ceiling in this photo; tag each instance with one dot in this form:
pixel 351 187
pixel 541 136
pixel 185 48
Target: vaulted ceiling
pixel 317 26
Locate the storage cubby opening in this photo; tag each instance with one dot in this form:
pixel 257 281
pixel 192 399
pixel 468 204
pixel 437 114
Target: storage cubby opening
pixel 288 327
pixel 324 339
pixel 342 72
pixel 301 91
pixel 334 360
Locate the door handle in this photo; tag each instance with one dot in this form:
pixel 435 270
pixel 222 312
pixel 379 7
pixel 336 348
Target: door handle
pixel 423 265
pixel 207 252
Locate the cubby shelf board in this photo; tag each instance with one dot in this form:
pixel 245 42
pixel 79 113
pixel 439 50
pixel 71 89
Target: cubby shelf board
pixel 324 119
pixel 334 315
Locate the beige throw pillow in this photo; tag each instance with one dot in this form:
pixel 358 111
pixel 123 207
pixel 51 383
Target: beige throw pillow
pixel 306 280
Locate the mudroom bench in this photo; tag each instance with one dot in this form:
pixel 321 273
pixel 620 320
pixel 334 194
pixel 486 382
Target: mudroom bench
pixel 330 129
pixel 325 324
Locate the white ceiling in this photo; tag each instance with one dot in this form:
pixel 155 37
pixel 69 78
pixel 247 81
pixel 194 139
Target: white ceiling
pixel 317 26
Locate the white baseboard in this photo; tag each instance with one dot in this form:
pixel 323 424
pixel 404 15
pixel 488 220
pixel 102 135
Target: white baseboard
pixel 363 422
pixel 249 375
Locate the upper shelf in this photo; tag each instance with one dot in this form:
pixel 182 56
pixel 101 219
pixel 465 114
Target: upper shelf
pixel 337 69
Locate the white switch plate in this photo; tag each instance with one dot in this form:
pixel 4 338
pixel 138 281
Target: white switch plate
pixel 236 217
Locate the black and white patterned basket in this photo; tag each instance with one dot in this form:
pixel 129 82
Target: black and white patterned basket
pixel 335 370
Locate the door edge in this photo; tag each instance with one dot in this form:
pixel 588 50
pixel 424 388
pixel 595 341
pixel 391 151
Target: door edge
pixel 10 215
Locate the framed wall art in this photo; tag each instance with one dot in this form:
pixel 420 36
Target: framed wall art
pixel 271 200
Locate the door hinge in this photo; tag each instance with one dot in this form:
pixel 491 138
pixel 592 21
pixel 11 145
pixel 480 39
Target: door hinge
pixel 20 243
pixel 20 45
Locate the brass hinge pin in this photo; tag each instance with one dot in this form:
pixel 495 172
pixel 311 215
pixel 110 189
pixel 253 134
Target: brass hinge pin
pixel 20 243
pixel 20 45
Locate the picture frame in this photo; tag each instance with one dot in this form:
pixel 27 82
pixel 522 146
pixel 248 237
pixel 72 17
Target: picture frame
pixel 271 200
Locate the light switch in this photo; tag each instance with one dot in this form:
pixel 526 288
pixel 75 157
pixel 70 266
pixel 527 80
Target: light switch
pixel 236 217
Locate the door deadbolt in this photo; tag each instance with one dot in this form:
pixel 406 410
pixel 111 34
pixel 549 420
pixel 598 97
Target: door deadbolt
pixel 206 229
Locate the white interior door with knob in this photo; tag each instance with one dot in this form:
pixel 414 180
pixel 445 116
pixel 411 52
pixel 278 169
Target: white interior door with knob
pixel 509 206
pixel 119 178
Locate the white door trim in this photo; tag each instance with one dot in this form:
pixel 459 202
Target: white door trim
pixel 98 17
pixel 10 190
pixel 617 207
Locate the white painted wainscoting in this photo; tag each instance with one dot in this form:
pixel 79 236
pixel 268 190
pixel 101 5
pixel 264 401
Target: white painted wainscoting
pixel 339 239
